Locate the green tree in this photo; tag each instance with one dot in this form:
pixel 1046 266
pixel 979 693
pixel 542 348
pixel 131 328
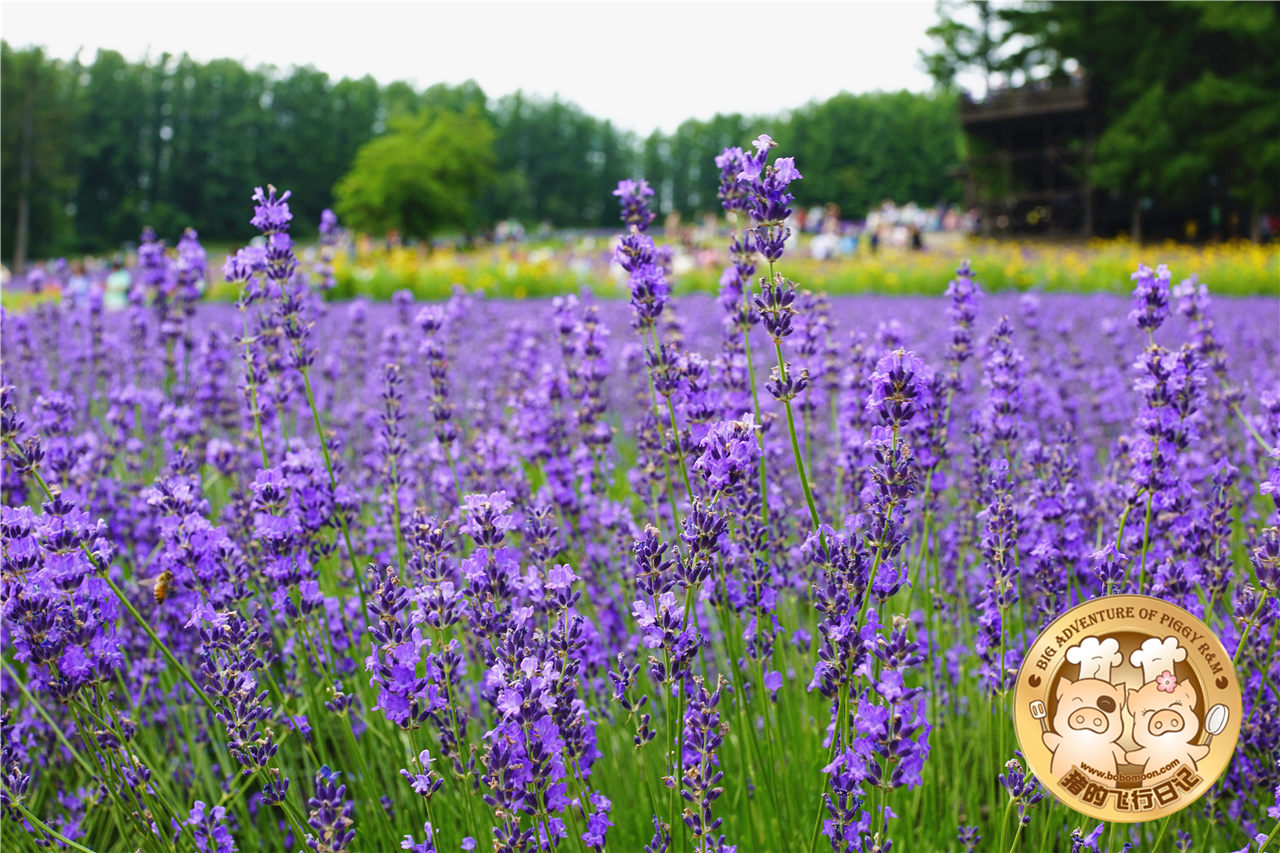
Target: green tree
pixel 556 162
pixel 36 109
pixel 420 178
pixel 964 45
pixel 857 150
pixel 109 131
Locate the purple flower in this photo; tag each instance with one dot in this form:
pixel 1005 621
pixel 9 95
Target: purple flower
pixel 898 386
pixel 487 518
pixel 210 828
pixel 270 212
pixel 330 814
pixel 1150 297
pixel 730 451
pixel 428 781
pixel 768 197
pixel 633 197
pixel 427 845
pixel 1021 786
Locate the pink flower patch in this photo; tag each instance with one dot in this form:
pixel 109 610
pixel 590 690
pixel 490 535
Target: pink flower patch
pixel 1166 681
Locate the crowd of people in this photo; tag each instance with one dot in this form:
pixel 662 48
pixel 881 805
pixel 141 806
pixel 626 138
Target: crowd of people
pixel 76 281
pixel 827 236
pixel 819 231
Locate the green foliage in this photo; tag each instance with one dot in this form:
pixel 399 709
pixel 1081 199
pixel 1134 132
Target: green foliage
pixel 421 176
pixel 557 163
pixel 962 45
pixel 857 150
pixel 853 150
pixel 35 114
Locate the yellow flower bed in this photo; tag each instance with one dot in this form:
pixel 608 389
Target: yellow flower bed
pixel 542 270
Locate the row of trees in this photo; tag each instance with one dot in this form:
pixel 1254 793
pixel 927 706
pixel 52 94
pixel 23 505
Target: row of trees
pixel 94 150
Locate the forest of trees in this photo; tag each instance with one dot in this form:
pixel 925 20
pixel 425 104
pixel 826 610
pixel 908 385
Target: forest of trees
pixel 93 150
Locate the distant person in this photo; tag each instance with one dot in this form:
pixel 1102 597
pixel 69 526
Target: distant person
pixel 671 225
pixel 824 246
pixel 78 284
pixel 874 242
pixel 118 284
pixel 899 236
pixel 816 219
pixel 917 242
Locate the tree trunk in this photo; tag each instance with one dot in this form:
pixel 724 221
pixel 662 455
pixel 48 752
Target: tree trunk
pixel 1086 227
pixel 22 228
pixel 1255 223
pixel 1135 224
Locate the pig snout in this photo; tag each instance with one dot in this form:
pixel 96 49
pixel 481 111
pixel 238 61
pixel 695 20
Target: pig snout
pixel 1164 722
pixel 1088 719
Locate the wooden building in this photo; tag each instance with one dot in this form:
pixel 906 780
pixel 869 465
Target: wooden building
pixel 1027 171
pixel 1029 154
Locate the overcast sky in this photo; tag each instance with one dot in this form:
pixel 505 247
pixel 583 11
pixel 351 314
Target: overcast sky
pixel 645 66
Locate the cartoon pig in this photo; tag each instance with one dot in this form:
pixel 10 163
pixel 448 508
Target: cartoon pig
pixel 1086 726
pixel 1164 724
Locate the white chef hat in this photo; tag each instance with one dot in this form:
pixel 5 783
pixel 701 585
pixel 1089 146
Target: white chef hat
pixel 1157 656
pixel 1096 657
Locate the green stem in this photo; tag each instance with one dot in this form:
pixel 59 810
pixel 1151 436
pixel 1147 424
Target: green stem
pixel 1124 518
pixel 1146 539
pixel 57 730
pixel 251 385
pixel 395 515
pixel 755 401
pixel 164 650
pixel 142 623
pixel 671 494
pixel 1004 821
pixel 44 827
pixel 333 484
pixel 1266 681
pixel 1248 626
pixel 1164 824
pixel 1017 831
pixel 675 433
pixel 841 711
pixel 795 443
pixel 1235 407
pixel 1270 836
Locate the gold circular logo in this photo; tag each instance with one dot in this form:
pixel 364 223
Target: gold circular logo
pixel 1127 708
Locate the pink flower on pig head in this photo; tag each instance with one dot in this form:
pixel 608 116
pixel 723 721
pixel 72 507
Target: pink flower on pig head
pixel 1166 682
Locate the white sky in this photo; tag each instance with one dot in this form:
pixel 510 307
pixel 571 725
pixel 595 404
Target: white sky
pixel 642 65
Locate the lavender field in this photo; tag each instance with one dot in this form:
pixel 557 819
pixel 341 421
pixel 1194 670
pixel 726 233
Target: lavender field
pixel 689 575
